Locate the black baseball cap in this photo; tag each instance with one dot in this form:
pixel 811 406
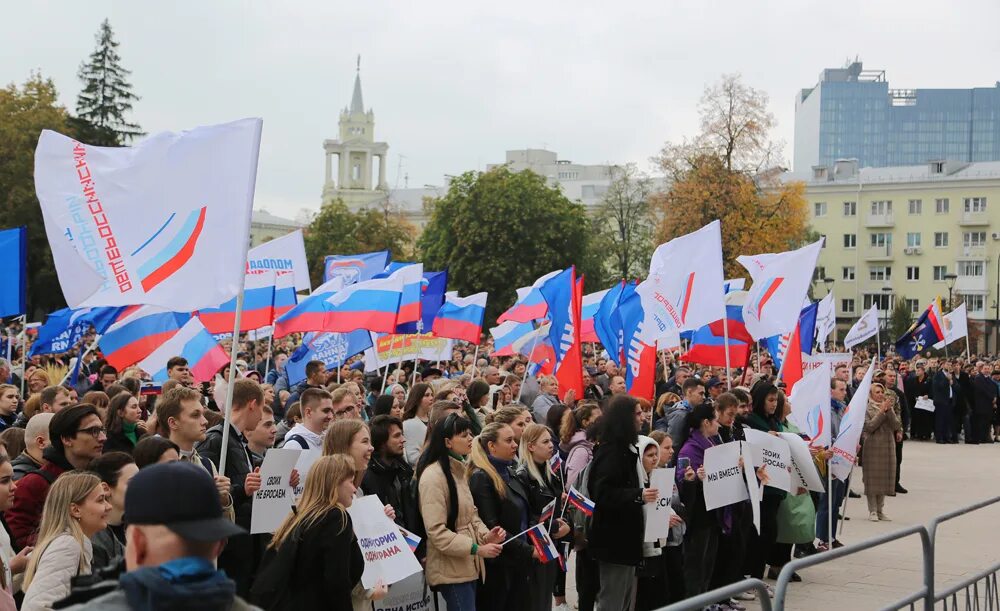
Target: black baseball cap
pixel 181 496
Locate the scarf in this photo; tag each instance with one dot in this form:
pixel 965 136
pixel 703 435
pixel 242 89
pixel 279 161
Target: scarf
pixel 128 428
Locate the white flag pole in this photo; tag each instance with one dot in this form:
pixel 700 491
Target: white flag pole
pixel 878 344
pixel 527 366
pixel 245 245
pixel 24 351
pixel 725 339
pixel 475 358
pixel 267 361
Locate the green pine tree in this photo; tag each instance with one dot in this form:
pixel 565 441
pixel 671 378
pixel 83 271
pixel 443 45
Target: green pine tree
pixel 106 96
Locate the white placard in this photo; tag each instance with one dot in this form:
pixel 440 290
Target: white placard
pixel 273 502
pixel 303 465
pixel 723 484
pixel 409 593
pixel 658 512
pixel 387 556
pixel 772 452
pixel 750 477
pixel 924 403
pixel 802 462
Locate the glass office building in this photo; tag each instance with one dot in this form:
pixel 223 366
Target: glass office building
pixel 852 113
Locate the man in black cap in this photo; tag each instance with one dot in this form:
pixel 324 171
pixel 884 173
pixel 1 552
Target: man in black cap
pixel 176 530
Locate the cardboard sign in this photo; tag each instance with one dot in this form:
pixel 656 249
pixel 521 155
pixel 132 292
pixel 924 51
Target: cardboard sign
pixel 409 594
pixel 750 478
pixel 806 474
pixel 772 452
pixel 657 513
pixel 723 483
pixel 273 502
pixel 387 556
pixel 303 465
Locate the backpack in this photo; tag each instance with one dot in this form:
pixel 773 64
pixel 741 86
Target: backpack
pixel 270 587
pixel 299 439
pixel 581 523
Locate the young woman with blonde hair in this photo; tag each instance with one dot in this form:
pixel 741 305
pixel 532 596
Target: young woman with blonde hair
pixel 76 509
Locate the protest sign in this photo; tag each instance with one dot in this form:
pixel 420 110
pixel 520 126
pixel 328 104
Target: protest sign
pixel 723 484
pixel 273 502
pixel 924 403
pixel 388 349
pixel 835 359
pixel 410 594
pixel 303 465
pixel 750 478
pixel 773 453
pixel 657 513
pixel 802 462
pixel 387 555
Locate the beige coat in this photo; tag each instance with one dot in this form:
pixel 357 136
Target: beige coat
pixel 449 553
pixel 62 559
pixel 879 449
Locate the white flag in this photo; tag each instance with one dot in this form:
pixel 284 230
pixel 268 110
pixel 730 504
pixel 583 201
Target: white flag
pixel 852 421
pixel 810 401
pixel 780 283
pixel 685 287
pixel 956 326
pixel 867 326
pixel 283 255
pixel 826 318
pixel 165 222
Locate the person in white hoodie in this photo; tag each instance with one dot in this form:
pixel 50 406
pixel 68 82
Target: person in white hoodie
pixel 317 414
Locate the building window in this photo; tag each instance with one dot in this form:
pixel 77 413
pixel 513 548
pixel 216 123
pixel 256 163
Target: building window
pixel 881 300
pixel 847 306
pixel 970 268
pixel 882 207
pixel 941 205
pixel 974 238
pixel 913 240
pixel 850 208
pixel 940 239
pixel 819 209
pixel 819 273
pixel 913 305
pixel 975 204
pixel 912 272
pixel 975 303
pixel 881 240
pixel 916 206
pixel 850 240
pixel 880 272
pixel 940 271
pixel 847 273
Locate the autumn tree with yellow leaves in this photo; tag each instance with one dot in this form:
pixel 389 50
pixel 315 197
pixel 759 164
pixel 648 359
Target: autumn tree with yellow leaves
pixel 730 172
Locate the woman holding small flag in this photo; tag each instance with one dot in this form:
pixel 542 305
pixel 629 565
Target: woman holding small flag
pixel 502 501
pixel 540 471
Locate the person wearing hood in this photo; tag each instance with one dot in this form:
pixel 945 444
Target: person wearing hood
pixel 388 474
pixel 651 590
pixel 673 550
pixel 675 417
pixel 176 530
pixel 317 414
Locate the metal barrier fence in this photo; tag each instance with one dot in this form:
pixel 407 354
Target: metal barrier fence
pixel 978 592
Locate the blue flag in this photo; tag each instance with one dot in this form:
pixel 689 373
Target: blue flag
pixel 64 328
pixel 558 294
pixel 331 348
pixel 13 270
pixel 355 268
pixel 924 333
pixel 433 287
pixel 807 331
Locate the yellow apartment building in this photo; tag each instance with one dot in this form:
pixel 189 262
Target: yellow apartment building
pixel 909 233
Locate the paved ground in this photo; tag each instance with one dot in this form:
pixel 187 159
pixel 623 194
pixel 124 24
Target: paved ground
pixel 940 478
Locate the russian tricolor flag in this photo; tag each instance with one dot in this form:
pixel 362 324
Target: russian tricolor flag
pixel 138 333
pixel 575 498
pixel 285 297
pixel 547 512
pixel 193 342
pixel 530 304
pixel 412 275
pixel 708 343
pixel 461 317
pixel 540 539
pixel 258 299
pixel 412 540
pixel 591 304
pixel 507 334
pixel 371 305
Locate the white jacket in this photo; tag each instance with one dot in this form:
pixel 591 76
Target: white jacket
pixel 63 559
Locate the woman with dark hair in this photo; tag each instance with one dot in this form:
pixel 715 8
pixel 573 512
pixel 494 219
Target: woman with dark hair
pixel 124 424
pixel 765 416
pixel 478 395
pixel 457 539
pixel 115 469
pixel 616 532
pixel 155 449
pixel 385 405
pixel 416 411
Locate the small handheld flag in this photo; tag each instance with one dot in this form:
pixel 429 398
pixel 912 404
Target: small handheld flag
pixel 556 463
pixel 542 542
pixel 412 540
pixel 580 502
pixel 548 512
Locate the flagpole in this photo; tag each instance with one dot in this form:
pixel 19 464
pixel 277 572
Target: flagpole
pixel 475 358
pixel 527 366
pixel 24 351
pixel 385 376
pixel 80 361
pixel 829 503
pixel 725 339
pixel 267 361
pixel 878 344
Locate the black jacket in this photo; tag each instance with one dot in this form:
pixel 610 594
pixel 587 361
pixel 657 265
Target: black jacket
pixel 393 483
pixel 118 442
pixel 23 465
pixel 616 531
pixel 505 513
pixel 945 393
pixel 540 495
pixel 915 388
pixel 985 393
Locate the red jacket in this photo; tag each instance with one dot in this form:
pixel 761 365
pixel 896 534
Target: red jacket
pixel 25 513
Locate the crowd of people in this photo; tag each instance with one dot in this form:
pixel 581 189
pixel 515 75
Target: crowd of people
pixel 112 495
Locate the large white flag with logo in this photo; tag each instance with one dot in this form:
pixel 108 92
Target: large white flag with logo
pixel 810 401
pixel 956 326
pixel 780 283
pixel 284 255
pixel 165 222
pixel 866 327
pixel 852 422
pixel 685 287
pixel 826 319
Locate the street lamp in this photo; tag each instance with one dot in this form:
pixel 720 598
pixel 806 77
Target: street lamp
pixel 950 279
pixel 887 291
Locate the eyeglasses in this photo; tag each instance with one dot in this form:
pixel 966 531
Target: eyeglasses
pixel 94 431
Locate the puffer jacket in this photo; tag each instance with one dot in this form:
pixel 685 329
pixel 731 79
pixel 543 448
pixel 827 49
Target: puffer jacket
pixel 62 559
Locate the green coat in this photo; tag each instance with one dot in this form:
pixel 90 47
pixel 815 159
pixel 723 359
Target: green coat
pixel 796 514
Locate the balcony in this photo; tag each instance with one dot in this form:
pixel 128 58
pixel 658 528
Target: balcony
pixel 970 284
pixel 878 253
pixel 974 251
pixel 879 220
pixel 974 219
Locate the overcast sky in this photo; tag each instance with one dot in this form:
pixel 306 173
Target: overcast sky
pixel 455 84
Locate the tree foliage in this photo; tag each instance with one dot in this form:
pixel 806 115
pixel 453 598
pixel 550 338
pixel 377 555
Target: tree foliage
pixel 24 112
pixel 624 222
pixel 106 96
pixel 727 172
pixel 496 231
pixel 335 230
pixel 899 320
